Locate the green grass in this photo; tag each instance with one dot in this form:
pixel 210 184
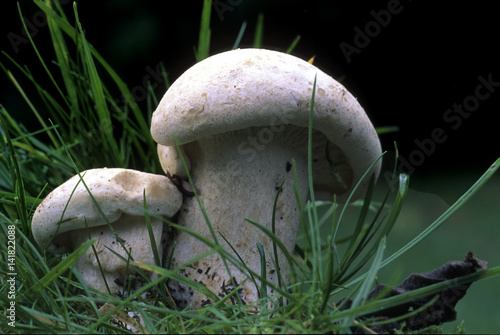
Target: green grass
pixel 341 251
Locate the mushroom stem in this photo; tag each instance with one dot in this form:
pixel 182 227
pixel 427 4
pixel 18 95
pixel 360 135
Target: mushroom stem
pixel 134 236
pixel 238 175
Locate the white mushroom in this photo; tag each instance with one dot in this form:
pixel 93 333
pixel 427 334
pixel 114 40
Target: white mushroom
pixel 241 117
pixel 68 217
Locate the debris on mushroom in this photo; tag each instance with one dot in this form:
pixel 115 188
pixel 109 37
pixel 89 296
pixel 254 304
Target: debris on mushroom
pixel 68 217
pixel 241 118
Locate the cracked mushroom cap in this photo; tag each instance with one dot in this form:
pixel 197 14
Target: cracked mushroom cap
pixel 117 191
pixel 246 88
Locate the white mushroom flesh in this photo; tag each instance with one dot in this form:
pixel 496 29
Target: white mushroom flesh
pixel 133 243
pixel 235 186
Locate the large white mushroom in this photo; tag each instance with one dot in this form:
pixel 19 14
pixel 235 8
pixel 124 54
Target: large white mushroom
pixel 68 217
pixel 241 117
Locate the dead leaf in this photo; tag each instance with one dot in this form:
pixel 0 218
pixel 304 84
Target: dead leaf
pixel 442 310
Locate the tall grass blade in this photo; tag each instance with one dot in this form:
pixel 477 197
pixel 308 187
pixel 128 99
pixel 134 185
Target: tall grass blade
pixel 259 32
pixel 63 61
pixel 447 214
pixel 240 35
pixel 98 97
pixel 150 230
pixel 293 45
pixel 263 271
pixel 15 175
pixel 203 49
pixel 367 285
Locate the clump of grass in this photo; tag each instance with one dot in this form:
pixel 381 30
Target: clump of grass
pixel 89 128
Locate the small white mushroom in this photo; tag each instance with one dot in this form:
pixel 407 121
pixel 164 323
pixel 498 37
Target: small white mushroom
pixel 241 118
pixel 68 217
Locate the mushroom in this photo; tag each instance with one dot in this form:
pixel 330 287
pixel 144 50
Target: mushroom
pixel 68 217
pixel 241 118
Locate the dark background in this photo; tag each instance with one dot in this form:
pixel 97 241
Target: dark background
pixel 425 60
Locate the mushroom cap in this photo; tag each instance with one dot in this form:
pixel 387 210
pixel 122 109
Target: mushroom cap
pixel 117 191
pixel 246 88
pixel 171 161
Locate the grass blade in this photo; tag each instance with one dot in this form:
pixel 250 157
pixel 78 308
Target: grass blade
pixel 240 35
pixel 204 38
pixel 263 288
pixel 259 32
pixel 293 45
pixel 367 284
pixel 98 97
pixel 15 172
pixel 447 214
pixel 58 269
